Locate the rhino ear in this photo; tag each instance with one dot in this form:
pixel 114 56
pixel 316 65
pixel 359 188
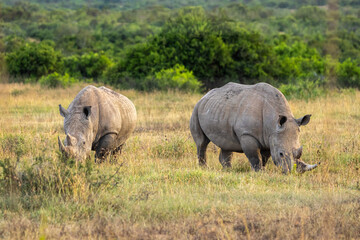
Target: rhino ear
pixel 63 111
pixel 304 120
pixel 87 111
pixel 282 120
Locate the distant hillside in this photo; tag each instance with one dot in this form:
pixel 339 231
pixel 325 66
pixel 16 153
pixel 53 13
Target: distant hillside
pixel 130 4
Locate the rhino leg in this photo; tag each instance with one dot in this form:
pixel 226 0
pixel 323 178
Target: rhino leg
pixel 105 144
pixel 251 148
pixel 265 155
pixel 201 150
pixel 201 140
pixel 225 158
pixel 117 150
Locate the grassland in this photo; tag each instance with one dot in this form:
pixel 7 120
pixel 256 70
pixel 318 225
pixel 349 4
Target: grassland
pixel 155 189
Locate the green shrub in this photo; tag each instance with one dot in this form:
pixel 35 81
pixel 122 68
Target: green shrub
pixel 72 66
pixel 348 73
pixel 55 80
pixel 298 61
pixel 34 60
pixel 302 89
pixel 89 65
pixel 93 65
pixel 178 78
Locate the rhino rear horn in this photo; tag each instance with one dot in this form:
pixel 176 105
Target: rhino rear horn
pixel 70 140
pixel 297 153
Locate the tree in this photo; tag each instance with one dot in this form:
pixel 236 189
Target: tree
pixel 34 60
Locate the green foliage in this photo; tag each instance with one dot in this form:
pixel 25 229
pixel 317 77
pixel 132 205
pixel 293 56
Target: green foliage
pixel 298 61
pixel 348 73
pixel 252 57
pixel 213 51
pixel 34 60
pixel 176 78
pixel 126 44
pixel 302 89
pixel 311 15
pixel 55 80
pixel 90 65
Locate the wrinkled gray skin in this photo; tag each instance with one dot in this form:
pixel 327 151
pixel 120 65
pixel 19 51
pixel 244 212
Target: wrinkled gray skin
pixel 97 119
pixel 251 119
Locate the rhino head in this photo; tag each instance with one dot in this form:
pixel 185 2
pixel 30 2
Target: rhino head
pixel 285 146
pixel 77 126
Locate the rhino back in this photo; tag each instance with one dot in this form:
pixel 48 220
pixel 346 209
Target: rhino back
pixel 233 110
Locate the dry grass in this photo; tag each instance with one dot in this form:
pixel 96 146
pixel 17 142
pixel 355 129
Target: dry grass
pixel 159 191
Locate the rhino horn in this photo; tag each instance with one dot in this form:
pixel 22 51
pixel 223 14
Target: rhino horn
pixel 297 152
pixel 63 149
pixel 303 167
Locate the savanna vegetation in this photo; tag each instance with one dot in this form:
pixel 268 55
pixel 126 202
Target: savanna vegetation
pixel 130 43
pixel 163 55
pixel 155 188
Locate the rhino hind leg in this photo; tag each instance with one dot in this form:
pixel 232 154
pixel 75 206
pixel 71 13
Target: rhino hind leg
pixel 251 148
pixel 201 151
pixel 201 140
pixel 225 158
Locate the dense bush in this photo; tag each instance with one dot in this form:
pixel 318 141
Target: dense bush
pixel 348 73
pixel 34 60
pixel 178 78
pixel 243 42
pixel 298 61
pixel 55 80
pixel 90 65
pixel 213 51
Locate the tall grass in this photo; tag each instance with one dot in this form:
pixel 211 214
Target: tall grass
pixel 156 189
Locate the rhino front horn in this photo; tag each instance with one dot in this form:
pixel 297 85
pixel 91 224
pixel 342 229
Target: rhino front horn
pixel 61 146
pixel 302 167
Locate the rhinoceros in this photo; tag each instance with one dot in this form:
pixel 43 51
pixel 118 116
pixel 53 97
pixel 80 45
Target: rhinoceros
pixel 251 119
pixel 97 119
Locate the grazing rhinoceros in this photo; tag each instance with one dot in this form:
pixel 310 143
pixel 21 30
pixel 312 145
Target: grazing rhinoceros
pixel 251 119
pixel 97 119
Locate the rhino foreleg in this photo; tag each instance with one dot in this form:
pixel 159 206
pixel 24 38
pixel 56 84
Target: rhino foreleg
pixel 117 150
pixel 225 158
pixel 104 147
pixel 251 148
pixel 265 155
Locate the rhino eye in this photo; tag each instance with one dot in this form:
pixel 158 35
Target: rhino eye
pixel 281 154
pixel 83 142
